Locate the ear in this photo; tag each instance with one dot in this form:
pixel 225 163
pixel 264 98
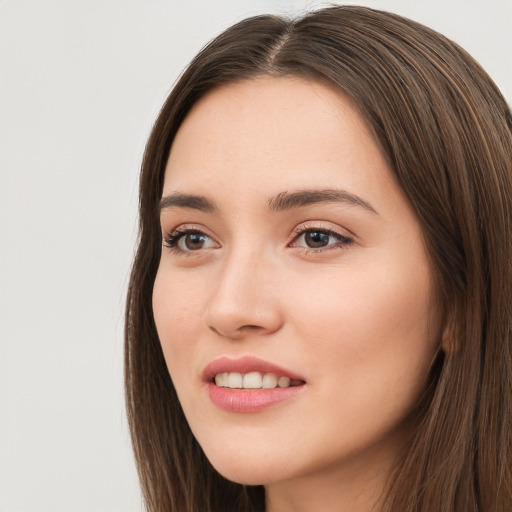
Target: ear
pixel 450 339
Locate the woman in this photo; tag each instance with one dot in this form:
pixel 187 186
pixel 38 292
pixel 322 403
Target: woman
pixel 318 314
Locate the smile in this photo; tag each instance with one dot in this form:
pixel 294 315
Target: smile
pixel 248 384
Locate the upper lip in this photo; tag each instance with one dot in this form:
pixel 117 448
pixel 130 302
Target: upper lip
pixel 245 365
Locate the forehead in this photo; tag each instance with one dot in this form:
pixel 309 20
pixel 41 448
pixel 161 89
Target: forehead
pixel 273 134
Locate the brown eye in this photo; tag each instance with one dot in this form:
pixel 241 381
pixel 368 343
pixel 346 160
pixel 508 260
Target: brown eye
pixel 316 239
pixel 320 239
pixel 188 240
pixel 193 241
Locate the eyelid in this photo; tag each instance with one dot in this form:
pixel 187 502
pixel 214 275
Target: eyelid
pixel 186 227
pixel 320 226
pixel 171 238
pixel 344 239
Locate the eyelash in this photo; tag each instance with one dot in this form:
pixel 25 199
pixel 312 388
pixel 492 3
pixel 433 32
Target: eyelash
pixel 342 240
pixel 172 240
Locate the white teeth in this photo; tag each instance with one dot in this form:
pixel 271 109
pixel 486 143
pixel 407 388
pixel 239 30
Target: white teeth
pixel 221 379
pixel 269 381
pixel 283 382
pixel 235 380
pixel 252 380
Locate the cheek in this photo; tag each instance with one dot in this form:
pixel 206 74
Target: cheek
pixel 177 309
pixel 373 331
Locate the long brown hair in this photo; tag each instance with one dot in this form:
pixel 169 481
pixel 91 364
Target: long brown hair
pixel 446 132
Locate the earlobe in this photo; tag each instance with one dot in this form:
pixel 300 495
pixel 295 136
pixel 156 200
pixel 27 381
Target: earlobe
pixel 450 341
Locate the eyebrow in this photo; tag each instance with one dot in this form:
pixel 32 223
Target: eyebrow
pixel 179 200
pixel 281 202
pixel 287 200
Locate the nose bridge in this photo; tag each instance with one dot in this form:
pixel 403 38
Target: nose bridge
pixel 244 299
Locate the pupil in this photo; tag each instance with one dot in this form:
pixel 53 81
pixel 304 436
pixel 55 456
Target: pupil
pixel 316 239
pixel 194 241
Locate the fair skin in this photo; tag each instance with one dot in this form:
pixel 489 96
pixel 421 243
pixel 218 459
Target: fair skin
pixel 335 288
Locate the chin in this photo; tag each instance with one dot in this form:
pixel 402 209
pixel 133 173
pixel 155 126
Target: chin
pixel 246 476
pixel 247 471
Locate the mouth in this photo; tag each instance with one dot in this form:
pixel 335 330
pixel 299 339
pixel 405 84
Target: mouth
pixel 249 384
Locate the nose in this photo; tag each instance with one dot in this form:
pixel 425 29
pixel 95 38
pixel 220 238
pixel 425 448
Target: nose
pixel 245 301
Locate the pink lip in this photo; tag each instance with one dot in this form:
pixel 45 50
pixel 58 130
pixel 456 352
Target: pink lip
pixel 247 400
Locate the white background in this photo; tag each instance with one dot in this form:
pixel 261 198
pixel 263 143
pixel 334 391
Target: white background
pixel 80 84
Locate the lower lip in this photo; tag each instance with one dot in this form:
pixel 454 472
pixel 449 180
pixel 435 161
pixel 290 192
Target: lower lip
pixel 249 400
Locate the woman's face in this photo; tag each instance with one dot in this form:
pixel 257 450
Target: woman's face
pixel 291 255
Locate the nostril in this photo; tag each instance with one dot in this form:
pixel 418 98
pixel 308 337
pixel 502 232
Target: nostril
pixel 250 329
pixel 237 332
pixel 214 330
